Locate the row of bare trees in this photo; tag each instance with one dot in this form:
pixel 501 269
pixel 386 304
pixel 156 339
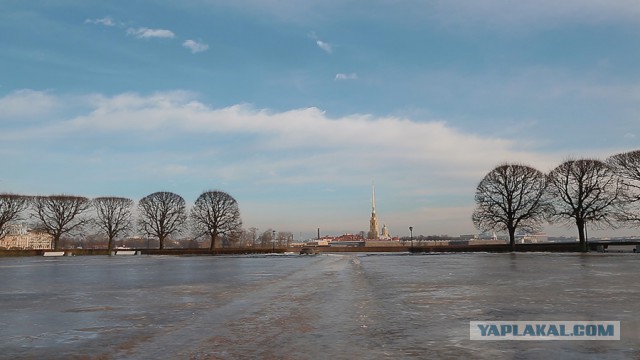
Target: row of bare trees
pixel 159 215
pixel 581 192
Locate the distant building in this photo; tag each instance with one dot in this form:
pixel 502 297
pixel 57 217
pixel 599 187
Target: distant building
pixel 318 243
pixel 348 237
pixel 532 238
pixel 19 237
pixel 348 240
pixel 385 232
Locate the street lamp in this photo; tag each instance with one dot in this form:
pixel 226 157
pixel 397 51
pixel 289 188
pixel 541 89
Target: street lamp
pixel 411 237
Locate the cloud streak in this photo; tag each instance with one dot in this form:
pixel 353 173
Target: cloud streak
pixel 341 76
pixel 146 33
pixel 530 15
pixel 523 15
pixel 195 46
pixel 326 47
pixel 106 21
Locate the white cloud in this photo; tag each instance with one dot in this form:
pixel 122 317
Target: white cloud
pixel 146 33
pixel 324 46
pixel 106 21
pixel 352 76
pixel 347 145
pixel 26 103
pixel 195 46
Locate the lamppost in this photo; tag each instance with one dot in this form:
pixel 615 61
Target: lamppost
pixel 411 237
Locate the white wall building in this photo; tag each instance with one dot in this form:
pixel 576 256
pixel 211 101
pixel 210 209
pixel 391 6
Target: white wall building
pixel 19 237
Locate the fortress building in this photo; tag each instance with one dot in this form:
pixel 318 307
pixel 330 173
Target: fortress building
pixel 385 232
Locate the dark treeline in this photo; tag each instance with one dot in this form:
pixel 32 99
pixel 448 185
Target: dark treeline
pixel 578 192
pixel 162 219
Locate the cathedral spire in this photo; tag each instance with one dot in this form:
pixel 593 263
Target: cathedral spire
pixel 373 223
pixel 373 199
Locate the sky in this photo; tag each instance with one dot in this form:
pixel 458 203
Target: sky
pixel 296 108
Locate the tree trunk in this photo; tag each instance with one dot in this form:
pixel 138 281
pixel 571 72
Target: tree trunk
pixel 110 246
pixel 583 244
pixel 56 241
pixel 213 241
pixel 512 239
pixel 161 242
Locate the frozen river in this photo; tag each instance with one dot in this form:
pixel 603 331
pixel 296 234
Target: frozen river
pixel 353 306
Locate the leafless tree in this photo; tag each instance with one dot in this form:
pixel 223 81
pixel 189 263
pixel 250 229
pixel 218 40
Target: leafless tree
pixel 254 235
pixel 58 215
pixel 245 238
pixel 216 213
pixel 284 238
pixel 11 207
pixel 267 238
pixel 113 216
pixel 161 215
pixel 627 167
pixel 584 191
pixel 232 239
pixel 511 197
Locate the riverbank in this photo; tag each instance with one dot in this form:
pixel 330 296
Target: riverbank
pixel 420 248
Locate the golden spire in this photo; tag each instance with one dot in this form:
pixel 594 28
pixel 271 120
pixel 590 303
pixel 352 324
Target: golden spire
pixel 373 223
pixel 373 199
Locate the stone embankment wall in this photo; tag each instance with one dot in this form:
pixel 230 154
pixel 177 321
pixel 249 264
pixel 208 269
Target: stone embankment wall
pixel 416 248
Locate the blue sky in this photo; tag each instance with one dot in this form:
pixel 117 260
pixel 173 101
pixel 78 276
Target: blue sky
pixel 296 107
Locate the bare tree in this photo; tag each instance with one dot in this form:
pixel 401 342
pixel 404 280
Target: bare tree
pixel 284 238
pixel 254 235
pixel 58 215
pixel 267 238
pixel 245 238
pixel 162 214
pixel 627 167
pixel 584 191
pixel 216 213
pixel 511 197
pixel 233 239
pixel 113 216
pixel 11 207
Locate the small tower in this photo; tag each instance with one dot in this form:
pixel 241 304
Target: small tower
pixel 373 223
pixel 385 232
